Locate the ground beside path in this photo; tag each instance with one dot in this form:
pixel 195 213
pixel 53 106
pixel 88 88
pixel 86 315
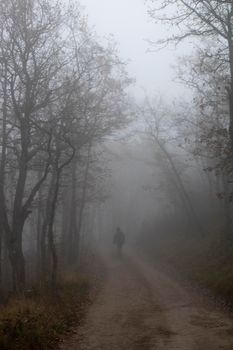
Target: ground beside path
pixel 140 308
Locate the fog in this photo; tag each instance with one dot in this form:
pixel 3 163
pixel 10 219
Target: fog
pixel 117 116
pixel 116 144
pixel 134 178
pixel 130 26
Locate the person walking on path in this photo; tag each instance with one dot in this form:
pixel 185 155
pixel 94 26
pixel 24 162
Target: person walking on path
pixel 119 240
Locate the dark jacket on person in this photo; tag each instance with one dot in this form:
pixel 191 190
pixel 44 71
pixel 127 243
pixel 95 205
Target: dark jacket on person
pixel 119 238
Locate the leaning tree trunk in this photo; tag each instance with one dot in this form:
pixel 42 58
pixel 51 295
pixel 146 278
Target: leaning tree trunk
pixel 181 188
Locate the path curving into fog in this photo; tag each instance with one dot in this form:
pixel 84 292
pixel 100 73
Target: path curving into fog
pixel 140 308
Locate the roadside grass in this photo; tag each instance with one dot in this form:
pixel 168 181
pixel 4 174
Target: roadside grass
pixel 37 323
pixel 207 261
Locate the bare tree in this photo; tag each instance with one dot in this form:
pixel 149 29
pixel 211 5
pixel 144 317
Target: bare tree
pixel 30 61
pixel 157 132
pixel 211 19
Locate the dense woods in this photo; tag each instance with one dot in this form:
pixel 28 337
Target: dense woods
pixel 62 93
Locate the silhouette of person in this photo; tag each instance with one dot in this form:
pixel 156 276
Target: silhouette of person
pixel 119 240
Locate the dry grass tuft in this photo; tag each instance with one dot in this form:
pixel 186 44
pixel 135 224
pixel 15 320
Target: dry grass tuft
pixel 27 324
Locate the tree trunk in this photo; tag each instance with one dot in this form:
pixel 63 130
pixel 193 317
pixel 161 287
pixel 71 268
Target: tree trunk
pixel 227 207
pixel 13 236
pixel 1 258
pixel 73 239
pixel 83 199
pixel 43 236
pixel 230 90
pixel 51 240
pixel 39 230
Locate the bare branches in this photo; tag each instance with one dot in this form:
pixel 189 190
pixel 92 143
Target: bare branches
pixel 194 18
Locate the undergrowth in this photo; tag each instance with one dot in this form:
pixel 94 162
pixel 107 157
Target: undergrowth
pixel 38 323
pixel 207 261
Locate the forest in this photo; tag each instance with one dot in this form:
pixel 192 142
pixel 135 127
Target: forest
pixel 83 155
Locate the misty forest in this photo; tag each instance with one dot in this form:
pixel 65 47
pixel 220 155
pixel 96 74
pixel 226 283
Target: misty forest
pixel 116 174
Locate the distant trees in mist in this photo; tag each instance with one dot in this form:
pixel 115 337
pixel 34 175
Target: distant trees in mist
pixel 200 130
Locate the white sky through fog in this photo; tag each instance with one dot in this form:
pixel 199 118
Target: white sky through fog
pixel 129 23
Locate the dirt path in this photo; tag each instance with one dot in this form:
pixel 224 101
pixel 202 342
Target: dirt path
pixel 142 309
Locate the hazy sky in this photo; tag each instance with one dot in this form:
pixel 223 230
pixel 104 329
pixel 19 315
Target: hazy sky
pixel 131 26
